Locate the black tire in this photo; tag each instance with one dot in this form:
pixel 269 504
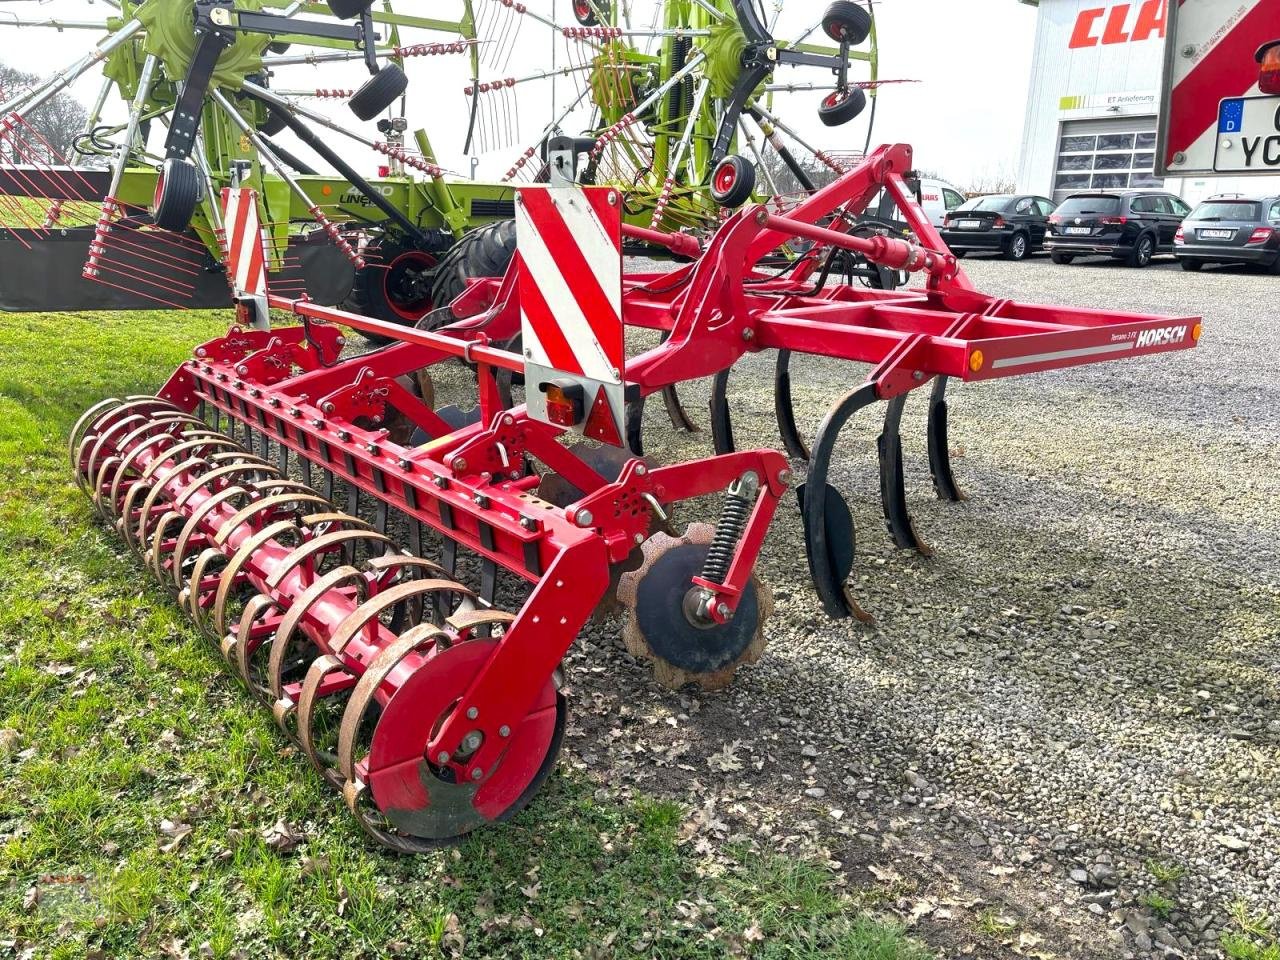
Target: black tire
pixel 847 22
pixel 1195 266
pixel 733 181
pixel 841 106
pixel 394 287
pixel 1144 248
pixel 178 191
pixel 1018 247
pixel 1061 257
pixel 379 92
pixel 585 15
pixel 484 252
pixel 349 9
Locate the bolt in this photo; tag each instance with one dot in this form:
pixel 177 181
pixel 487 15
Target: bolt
pixel 471 742
pixel 472 713
pixel 255 392
pixel 529 523
pixel 917 376
pixel 784 476
pixel 748 335
pixel 460 464
pixel 504 731
pixel 295 412
pixel 443 756
pixel 476 773
pixel 641 469
pixel 508 420
pixel 237 384
pixel 341 341
pixel 638 538
pixel 723 609
pixel 344 436
pixel 481 501
pixel 242 370
pixel 584 518
pixel 273 401
pixel 201 352
pixel 328 407
pixel 318 423
pixel 613 199
pixel 406 465
pixel 441 482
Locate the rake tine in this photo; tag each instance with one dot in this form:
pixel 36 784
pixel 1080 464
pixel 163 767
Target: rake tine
pixel 380 517
pixel 449 556
pixel 893 493
pixel 265 442
pixel 785 410
pixel 944 481
pixel 414 535
pixel 282 459
pixel 327 493
pixel 305 464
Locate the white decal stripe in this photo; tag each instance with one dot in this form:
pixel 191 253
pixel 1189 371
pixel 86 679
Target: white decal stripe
pixel 1061 355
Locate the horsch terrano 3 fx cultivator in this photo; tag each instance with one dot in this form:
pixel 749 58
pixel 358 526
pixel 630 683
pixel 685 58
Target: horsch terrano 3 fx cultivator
pixel 431 710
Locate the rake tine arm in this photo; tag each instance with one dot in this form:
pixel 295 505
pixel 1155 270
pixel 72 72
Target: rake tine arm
pixel 31 99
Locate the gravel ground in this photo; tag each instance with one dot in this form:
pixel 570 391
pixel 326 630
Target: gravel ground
pixel 1060 736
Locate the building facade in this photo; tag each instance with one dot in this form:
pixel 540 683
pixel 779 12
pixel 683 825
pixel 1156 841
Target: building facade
pixel 1094 101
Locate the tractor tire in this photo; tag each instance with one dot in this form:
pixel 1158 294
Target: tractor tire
pixel 847 22
pixel 484 252
pixel 393 287
pixel 349 9
pixel 586 15
pixel 178 191
pixel 1061 258
pixel 379 92
pixel 841 106
pixel 733 181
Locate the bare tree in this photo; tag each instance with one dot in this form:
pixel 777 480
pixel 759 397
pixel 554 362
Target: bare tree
pixel 59 121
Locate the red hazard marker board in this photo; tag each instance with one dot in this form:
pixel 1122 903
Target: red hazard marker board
pixel 1216 117
pixel 246 247
pixel 569 248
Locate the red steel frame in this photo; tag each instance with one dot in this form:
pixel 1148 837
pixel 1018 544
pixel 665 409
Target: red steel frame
pixel 472 484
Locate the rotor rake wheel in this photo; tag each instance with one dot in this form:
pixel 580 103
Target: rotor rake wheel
pixel 360 650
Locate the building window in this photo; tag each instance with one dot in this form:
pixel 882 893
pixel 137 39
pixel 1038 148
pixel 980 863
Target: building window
pixel 1102 155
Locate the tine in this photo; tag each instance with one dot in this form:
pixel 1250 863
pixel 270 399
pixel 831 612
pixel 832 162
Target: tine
pixel 785 410
pixel 380 517
pixel 200 409
pixel 893 495
pixel 415 535
pixel 327 493
pixel 944 480
pixel 449 556
pixel 676 412
pixel 352 505
pixel 305 464
pixel 721 421
pixel 282 459
pixel 266 446
pixel 488 581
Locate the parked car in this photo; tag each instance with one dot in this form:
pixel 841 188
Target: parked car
pixel 1012 224
pixel 1231 230
pixel 936 197
pixel 1129 225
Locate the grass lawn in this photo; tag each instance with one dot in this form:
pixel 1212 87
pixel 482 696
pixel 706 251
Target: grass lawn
pixel 139 786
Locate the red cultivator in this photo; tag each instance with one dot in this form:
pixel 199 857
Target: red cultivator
pixel 431 710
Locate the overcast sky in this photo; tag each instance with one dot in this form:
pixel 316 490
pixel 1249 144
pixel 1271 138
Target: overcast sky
pixel 964 117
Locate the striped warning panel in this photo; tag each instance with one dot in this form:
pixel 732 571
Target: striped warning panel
pixel 1210 57
pixel 246 250
pixel 569 244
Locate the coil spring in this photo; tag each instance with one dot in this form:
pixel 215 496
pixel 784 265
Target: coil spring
pixel 676 97
pixel 733 520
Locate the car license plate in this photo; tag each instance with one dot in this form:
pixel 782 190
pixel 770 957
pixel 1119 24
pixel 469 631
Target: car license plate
pixel 1248 135
pixel 1217 234
pixel 969 224
pixel 1078 231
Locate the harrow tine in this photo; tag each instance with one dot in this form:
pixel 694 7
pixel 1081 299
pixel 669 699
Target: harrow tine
pixel 828 524
pixel 327 492
pixel 785 410
pixel 944 481
pixel 449 557
pixel 488 581
pixel 305 464
pixel 635 426
pixel 721 420
pixel 893 493
pixel 352 506
pixel 676 412
pixel 282 458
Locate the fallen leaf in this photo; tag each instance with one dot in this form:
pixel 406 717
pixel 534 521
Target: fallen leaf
pixel 58 613
pixel 177 832
pixel 753 934
pixel 30 899
pixel 282 836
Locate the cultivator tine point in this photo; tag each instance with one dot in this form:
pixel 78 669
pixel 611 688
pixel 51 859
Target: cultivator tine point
pixel 785 410
pixel 944 480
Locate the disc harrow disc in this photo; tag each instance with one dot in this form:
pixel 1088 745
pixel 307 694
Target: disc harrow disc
pixel 683 650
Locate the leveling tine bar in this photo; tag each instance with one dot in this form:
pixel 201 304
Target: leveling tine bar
pixel 721 307
pixel 431 711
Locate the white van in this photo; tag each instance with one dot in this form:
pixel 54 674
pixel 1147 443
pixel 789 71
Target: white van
pixel 937 198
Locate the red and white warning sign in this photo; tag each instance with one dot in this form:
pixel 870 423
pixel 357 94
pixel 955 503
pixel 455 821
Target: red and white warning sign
pixel 1221 91
pixel 569 248
pixel 246 247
